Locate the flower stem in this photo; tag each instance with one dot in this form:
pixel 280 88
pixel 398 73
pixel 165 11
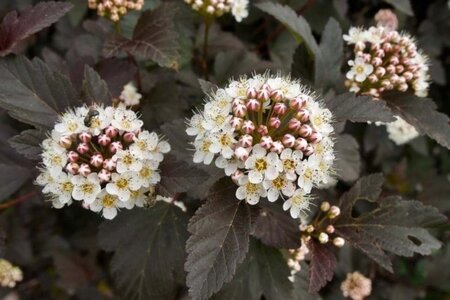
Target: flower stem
pixel 117 27
pixel 18 200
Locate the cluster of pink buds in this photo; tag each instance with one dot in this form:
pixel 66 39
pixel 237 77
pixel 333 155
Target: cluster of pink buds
pixel 326 234
pixel 216 8
pixel 271 135
pixel 102 157
pixel 385 60
pixel 115 9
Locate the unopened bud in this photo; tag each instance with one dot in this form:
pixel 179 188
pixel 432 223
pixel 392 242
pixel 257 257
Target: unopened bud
pixel 248 126
pixel 315 137
pixel 276 95
pixel 109 164
pixel 309 150
pixel 73 156
pixel 263 130
pixel 97 160
pixel 111 131
pixel 65 142
pixel 240 110
pixel 334 212
pixel 294 124
pixel 303 115
pixel 329 229
pixel 277 147
pixel 128 137
pixel 241 153
pixel 82 148
pixel 305 130
pixel 297 103
pixel 236 123
pixel 84 170
pixel 300 144
pixel 72 168
pixel 274 122
pixel 253 105
pixel 246 140
pixel 251 92
pixel 280 109
pixel 115 146
pixel 104 140
pixel 338 242
pixel 266 142
pixel 85 137
pixel 310 228
pixel 323 238
pixel 288 140
pixel 263 95
pixel 325 206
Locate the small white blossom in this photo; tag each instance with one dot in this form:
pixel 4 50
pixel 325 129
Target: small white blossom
pixel 262 165
pixel 126 161
pixel 401 131
pixel 297 204
pixel 122 185
pixel 130 96
pixel 86 188
pixel 251 192
pixel 360 69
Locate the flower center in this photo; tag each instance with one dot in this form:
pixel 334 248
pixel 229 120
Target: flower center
pixel 122 183
pixel 72 126
pixel 108 201
pixel 288 164
pixel 359 69
pixel 206 145
pixel 260 164
pixel 278 183
pixel 251 188
pixel 87 188
pixel 225 140
pixel 66 186
pixel 127 159
pixel 145 172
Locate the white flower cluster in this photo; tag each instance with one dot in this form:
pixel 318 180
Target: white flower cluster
pixel 102 157
pixel 400 131
pixel 385 60
pixel 9 274
pixel 296 256
pixel 130 95
pixel 238 8
pixel 115 9
pixel 356 286
pixel 271 135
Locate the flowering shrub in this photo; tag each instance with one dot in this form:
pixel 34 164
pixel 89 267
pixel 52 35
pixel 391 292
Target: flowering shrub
pixel 224 149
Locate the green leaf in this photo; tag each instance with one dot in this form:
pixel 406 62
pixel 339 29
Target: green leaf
pixel 297 25
pixel 33 93
pixel 328 64
pixel 15 28
pixel 263 272
pixel 220 236
pixel 397 225
pixel 422 114
pixel 402 5
pixel 154 38
pixel 354 108
pixel 348 160
pixel 178 177
pixel 28 143
pixel 322 265
pixel 95 89
pixel 148 250
pixel 276 228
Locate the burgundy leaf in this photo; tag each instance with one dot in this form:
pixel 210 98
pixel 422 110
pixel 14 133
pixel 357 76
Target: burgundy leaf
pixel 321 268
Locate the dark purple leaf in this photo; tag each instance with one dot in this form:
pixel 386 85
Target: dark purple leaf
pixel 321 268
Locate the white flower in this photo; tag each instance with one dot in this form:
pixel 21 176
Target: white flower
pixel 62 187
pixel 106 203
pixel 229 165
pixel 401 131
pixel 320 118
pixel 223 143
pixel 262 165
pixel 360 69
pixel 130 95
pixel 99 121
pixel 54 161
pixel 86 188
pixel 195 126
pixel 126 161
pixel 355 35
pixel 251 192
pixel 307 174
pixel 289 89
pixel 240 9
pixel 202 153
pixel 126 120
pixel 289 160
pixel 298 203
pixel 147 175
pixel 375 35
pixel 70 124
pixel 277 186
pixel 121 185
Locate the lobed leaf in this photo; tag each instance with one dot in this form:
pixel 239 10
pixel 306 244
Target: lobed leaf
pixel 322 265
pixel 348 161
pixel 33 93
pixel 220 232
pixel 15 28
pixel 422 114
pixel 354 108
pixel 12 177
pixel 397 225
pixel 28 143
pixel 94 88
pixel 148 250
pixel 154 38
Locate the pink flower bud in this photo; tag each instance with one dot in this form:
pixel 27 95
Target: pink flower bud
pixel 387 47
pixel 380 71
pixel 253 105
pixel 315 137
pixel 72 168
pixel 263 95
pixel 379 53
pixel 309 150
pixel 390 69
pixel 236 176
pixel 300 144
pixel 241 153
pixel 115 146
pixel 338 242
pixel 277 95
pixel 236 122
pixel 85 137
pixel 128 137
pixel 294 124
pixel 96 160
pixel 288 140
pixel 303 115
pixel 329 229
pixel 263 130
pixel 401 79
pixel 109 164
pixel 246 141
pixel 408 76
pixel 403 87
pixel 386 83
pixel 297 103
pixel 277 147
pixel 373 78
pixel 240 110
pixel 280 108
pixel 248 126
pixel 65 142
pixel 394 60
pixel 374 47
pixel 274 122
pixel 399 68
pixel 305 130
pixel 111 131
pixel 82 148
pixel 376 61
pixel 84 170
pixel 334 212
pixel 104 175
pixel 251 92
pixel 104 140
pixel 73 156
pixel 237 101
pixel 360 46
pixel 266 142
pixel 266 87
